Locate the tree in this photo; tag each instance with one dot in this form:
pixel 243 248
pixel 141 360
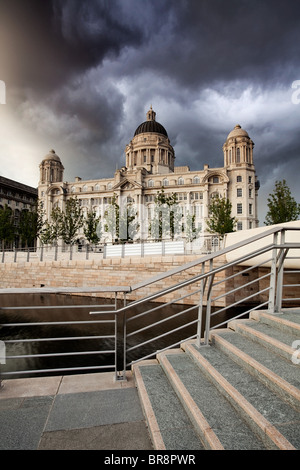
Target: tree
pixel 282 206
pixel 91 227
pixel 71 221
pixel 220 220
pixel 191 232
pixel 52 229
pixel 120 221
pixel 7 229
pixel 167 218
pixel 31 224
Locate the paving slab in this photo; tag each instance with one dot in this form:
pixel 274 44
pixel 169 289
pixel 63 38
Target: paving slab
pixel 80 412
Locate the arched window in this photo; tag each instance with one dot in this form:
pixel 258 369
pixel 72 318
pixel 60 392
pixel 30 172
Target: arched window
pixel 165 182
pixel 73 189
pixel 109 186
pixel 84 188
pixel 150 183
pixel 97 187
pixel 180 180
pixel 196 180
pixel 238 155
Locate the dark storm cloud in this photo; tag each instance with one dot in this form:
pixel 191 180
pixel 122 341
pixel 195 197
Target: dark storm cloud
pixel 44 43
pixel 80 76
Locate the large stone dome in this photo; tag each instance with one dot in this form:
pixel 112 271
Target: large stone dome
pixel 151 125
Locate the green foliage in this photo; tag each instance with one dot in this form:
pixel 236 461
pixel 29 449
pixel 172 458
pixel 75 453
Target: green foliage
pixel 167 219
pixel 92 227
pixel 72 220
pixel 31 224
pixel 220 220
pixel 282 206
pixel 7 228
pixel 119 221
pixel 52 229
pixel 191 232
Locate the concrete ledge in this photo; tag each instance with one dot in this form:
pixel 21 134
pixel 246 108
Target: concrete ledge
pixel 58 385
pixel 154 430
pixel 195 415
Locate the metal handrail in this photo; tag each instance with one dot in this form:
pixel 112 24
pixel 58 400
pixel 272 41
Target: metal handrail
pixel 204 283
pixel 275 248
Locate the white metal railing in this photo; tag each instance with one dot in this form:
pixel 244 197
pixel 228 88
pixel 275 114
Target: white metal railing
pixel 208 292
pixel 201 245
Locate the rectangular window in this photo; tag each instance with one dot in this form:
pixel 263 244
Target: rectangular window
pixel 239 192
pixel 239 179
pixel 250 209
pixel 250 192
pixel 239 208
pixel 239 226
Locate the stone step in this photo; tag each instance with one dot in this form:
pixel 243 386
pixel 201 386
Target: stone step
pixel 241 392
pixel 168 423
pixel 288 321
pixel 265 412
pixel 218 423
pixel 276 372
pixel 268 335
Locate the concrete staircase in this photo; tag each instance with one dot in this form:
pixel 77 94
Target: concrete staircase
pixel 241 392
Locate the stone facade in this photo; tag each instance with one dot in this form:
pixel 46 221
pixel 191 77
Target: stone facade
pixel 150 167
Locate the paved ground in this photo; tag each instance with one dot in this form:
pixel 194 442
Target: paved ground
pixel 78 412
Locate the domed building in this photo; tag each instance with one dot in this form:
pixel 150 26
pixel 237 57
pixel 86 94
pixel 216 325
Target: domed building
pixel 149 168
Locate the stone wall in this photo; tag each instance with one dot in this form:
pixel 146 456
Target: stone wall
pixel 130 271
pixel 105 272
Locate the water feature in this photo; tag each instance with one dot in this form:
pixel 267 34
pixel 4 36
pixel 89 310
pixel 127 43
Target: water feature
pixel 78 308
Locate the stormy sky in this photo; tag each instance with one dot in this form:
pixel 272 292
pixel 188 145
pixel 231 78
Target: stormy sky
pixel 80 76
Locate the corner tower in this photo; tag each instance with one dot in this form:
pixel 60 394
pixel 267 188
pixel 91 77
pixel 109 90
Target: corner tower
pixel 238 148
pixel 243 187
pixel 150 147
pixel 51 169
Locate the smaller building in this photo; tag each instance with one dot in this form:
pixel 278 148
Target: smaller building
pixel 18 197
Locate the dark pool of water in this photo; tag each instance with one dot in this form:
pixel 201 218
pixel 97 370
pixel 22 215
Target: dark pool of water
pixel 66 312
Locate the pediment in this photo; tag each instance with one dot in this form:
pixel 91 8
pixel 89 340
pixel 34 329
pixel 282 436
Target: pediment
pixel 127 184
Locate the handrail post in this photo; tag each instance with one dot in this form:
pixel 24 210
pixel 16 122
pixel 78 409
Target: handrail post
pixel 200 307
pixel 279 284
pixel 208 304
pixel 120 346
pixel 271 304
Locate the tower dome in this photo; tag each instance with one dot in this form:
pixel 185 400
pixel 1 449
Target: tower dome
pixel 238 148
pixel 150 147
pixel 237 132
pixel 52 156
pixel 51 168
pixel 151 125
